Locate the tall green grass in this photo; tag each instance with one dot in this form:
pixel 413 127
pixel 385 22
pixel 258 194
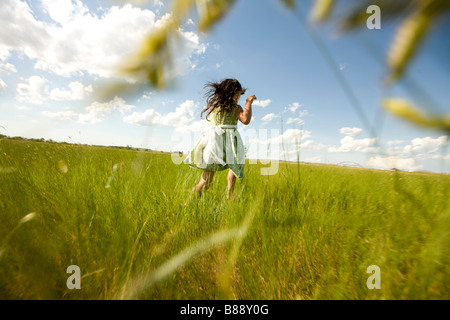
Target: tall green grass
pixel 308 232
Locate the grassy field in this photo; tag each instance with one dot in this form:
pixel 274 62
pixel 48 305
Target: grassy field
pixel 308 232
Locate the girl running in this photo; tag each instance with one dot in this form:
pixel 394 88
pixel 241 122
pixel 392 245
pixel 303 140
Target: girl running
pixel 220 146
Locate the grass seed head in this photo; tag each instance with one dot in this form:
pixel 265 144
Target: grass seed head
pixel 62 166
pixel 28 217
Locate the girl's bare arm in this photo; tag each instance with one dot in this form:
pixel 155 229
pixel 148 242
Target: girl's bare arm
pixel 245 116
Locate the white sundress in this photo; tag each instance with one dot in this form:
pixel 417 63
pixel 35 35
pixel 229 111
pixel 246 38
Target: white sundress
pixel 220 146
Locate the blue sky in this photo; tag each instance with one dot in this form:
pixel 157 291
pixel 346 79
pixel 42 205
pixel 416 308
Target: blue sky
pixel 55 55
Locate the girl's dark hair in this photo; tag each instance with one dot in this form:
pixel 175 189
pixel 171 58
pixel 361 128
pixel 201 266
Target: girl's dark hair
pixel 221 95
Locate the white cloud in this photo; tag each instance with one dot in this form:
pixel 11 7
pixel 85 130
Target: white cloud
pixel 35 90
pixel 78 41
pixel 20 30
pixel 3 85
pixel 61 115
pixel 295 135
pixel 299 121
pixel 352 132
pixel 76 91
pixel 93 44
pixel 284 146
pixel 186 55
pixel 193 126
pixel 262 103
pixel 32 90
pixel 193 42
pixel 98 111
pixel 182 115
pixel 395 142
pixel 146 95
pixel 312 145
pixel 396 156
pixel 423 146
pixel 64 11
pixel 391 162
pixel 23 108
pixel 7 68
pixel 439 156
pixel 290 136
pixel 294 106
pixel 350 144
pixel 269 117
pixel 180 118
pixel 149 117
pixel 159 4
pixel 303 113
pixel 419 148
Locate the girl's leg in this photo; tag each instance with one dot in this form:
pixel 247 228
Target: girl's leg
pixel 231 181
pixel 205 182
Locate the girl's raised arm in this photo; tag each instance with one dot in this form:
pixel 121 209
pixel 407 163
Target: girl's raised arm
pixel 245 116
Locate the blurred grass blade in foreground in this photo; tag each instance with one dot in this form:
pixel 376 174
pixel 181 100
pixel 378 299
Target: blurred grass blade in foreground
pixel 25 219
pixel 322 10
pixel 417 20
pixel 289 3
pixel 153 59
pixel 211 12
pixel 406 110
pixel 407 42
pixel 140 285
